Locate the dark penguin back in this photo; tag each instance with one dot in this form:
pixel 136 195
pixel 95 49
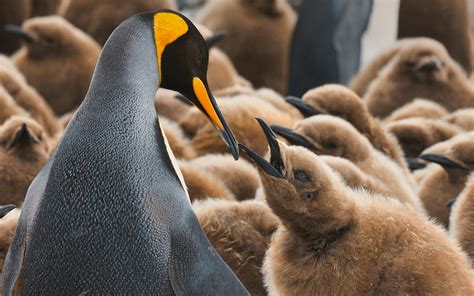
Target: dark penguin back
pixel 112 216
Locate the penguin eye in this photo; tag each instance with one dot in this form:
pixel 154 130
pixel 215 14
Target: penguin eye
pixel 301 177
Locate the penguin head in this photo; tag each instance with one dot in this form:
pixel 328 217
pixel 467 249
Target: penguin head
pixel 182 56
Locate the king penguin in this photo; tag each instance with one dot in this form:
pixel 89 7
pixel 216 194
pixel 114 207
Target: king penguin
pixel 109 213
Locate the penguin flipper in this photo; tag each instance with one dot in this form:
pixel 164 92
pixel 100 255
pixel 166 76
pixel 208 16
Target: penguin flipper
pixel 14 259
pixel 196 268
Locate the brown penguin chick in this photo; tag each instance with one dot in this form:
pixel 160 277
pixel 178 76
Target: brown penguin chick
pixel 353 176
pixel 28 98
pixel 23 153
pixel 203 185
pixel 342 102
pixel 360 83
pixel 8 107
pixel 278 102
pixel 329 135
pixel 169 104
pixel 463 118
pixel 12 12
pixel 239 113
pixel 179 144
pixel 259 34
pixel 100 18
pixel 241 233
pixel 461 221
pixel 446 181
pixel 57 49
pixel 7 230
pixel 240 177
pixel 333 240
pixel 422 68
pixel 418 108
pixel 45 7
pixel 417 134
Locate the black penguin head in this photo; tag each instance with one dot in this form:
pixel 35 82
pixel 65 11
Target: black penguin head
pixel 183 57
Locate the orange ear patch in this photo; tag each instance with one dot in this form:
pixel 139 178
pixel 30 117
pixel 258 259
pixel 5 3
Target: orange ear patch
pixel 167 27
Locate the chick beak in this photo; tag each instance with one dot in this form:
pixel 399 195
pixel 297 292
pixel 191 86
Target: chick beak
pixel 4 210
pixel 305 109
pixel 441 160
pixel 292 137
pixel 23 135
pixel 214 39
pixel 18 32
pixel 275 167
pixel 429 65
pixel 203 99
pixel 414 164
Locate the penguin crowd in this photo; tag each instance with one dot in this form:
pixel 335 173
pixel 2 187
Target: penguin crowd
pixel 145 150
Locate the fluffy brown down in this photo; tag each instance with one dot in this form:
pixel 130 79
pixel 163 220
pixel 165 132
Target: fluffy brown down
pixel 240 177
pixel 342 102
pixel 337 241
pixel 239 113
pixel 334 136
pixel 61 51
pixel 463 118
pixel 45 7
pixel 418 108
pixel 8 107
pixel 259 34
pixel 99 18
pixel 7 230
pixel 21 158
pixel 417 134
pixel 179 144
pixel 421 68
pixel 442 184
pixel 28 98
pixel 461 226
pixel 241 233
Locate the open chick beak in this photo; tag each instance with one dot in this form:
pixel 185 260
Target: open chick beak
pixel 275 167
pixel 18 32
pixel 305 109
pixel 441 160
pixel 204 100
pixel 292 137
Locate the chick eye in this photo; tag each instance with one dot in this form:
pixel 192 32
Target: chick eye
pixel 309 195
pixel 301 176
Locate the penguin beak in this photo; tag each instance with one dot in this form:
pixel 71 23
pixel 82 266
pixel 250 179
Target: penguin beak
pixel 275 167
pixel 292 137
pixel 302 106
pixel 4 210
pixel 214 39
pixel 441 160
pixel 18 32
pixel 414 164
pixel 204 100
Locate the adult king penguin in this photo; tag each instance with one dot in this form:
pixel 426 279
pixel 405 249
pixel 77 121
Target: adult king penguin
pixel 109 213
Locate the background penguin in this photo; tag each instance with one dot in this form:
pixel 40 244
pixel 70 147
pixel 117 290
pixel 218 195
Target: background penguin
pixel 461 221
pixel 28 98
pixel 336 241
pixel 57 49
pixel 45 7
pixel 100 18
pixel 134 227
pixel 340 101
pixel 24 150
pixel 417 134
pixel 446 182
pixel 463 118
pixel 259 33
pixel 8 223
pixel 241 233
pixel 329 135
pixel 422 68
pixel 240 177
pixel 418 108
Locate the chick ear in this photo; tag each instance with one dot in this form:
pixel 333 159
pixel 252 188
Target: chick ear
pixel 22 135
pixel 267 7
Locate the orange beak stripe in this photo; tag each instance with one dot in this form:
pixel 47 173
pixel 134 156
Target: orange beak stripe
pixel 201 93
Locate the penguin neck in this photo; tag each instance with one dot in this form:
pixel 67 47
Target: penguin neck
pixel 126 76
